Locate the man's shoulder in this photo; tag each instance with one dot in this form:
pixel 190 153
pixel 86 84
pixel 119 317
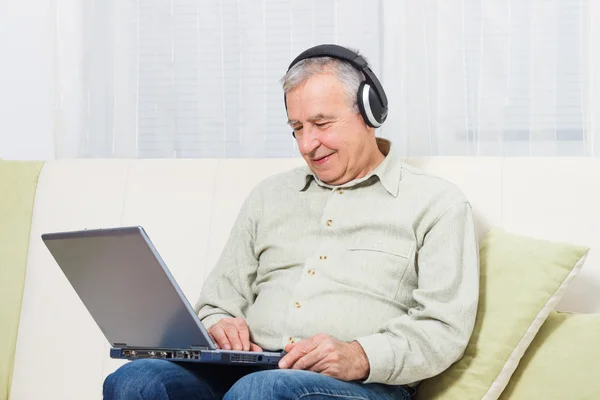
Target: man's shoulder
pixel 274 188
pixel 291 179
pixel 432 186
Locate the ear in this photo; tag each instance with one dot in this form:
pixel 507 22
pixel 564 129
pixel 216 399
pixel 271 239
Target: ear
pixel 370 130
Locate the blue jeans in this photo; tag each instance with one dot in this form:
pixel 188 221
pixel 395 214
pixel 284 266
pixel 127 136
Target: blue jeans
pixel 166 380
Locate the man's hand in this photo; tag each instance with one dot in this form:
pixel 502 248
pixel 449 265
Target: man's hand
pixel 232 334
pixel 328 356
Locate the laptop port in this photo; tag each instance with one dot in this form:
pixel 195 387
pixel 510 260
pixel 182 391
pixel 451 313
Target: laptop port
pixel 129 353
pixel 147 354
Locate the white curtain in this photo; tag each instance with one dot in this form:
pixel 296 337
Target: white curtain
pixel 183 78
pixel 189 78
pixel 493 77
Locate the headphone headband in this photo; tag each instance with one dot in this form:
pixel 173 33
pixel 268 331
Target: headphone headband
pixel 331 50
pixel 344 54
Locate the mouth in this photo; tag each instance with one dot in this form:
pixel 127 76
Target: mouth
pixel 322 160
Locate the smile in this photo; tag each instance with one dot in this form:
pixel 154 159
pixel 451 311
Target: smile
pixel 322 160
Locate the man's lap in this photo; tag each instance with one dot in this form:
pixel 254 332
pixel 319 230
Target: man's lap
pixel 157 379
pixel 306 385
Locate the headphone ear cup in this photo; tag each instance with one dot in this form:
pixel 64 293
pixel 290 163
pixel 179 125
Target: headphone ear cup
pixel 377 109
pixel 369 105
pixel 360 99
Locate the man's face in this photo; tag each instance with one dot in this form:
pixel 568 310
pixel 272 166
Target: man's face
pixel 330 135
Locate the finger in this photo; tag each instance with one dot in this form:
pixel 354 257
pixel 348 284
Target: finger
pixel 243 332
pixel 214 340
pixel 326 366
pixel 308 360
pixel 234 337
pixel 301 348
pixel 320 353
pixel 220 337
pixel 332 363
pixel 255 347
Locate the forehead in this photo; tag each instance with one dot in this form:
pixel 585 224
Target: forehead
pixel 321 93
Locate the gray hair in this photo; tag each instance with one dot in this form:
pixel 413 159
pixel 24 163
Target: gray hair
pixel 350 77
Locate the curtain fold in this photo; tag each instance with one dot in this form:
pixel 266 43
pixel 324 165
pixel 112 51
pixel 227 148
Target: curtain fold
pixel 180 78
pixel 492 78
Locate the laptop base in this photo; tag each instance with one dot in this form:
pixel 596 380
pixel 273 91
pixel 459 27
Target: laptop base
pixel 230 357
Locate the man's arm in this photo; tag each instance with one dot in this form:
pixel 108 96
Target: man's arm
pixel 227 291
pixel 434 334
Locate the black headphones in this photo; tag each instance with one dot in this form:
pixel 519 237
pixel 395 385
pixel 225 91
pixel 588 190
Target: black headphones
pixel 371 98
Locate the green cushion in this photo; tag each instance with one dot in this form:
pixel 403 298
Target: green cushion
pixel 521 281
pixel 18 181
pixel 562 362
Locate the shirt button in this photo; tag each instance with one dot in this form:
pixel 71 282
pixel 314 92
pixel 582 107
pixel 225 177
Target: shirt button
pixel 329 222
pixel 311 271
pixel 322 257
pixel 298 305
pixel 291 340
pixel 341 191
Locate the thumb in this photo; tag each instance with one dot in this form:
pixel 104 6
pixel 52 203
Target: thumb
pixel 289 347
pixel 255 347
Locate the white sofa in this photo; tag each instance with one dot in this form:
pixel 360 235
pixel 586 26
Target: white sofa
pixel 188 206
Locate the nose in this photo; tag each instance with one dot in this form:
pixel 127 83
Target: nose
pixel 308 141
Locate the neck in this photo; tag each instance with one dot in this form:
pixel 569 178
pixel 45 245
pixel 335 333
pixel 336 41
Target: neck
pixel 372 158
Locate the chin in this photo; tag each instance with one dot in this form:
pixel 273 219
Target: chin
pixel 327 178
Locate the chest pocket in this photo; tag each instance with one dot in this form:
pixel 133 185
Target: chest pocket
pixel 377 265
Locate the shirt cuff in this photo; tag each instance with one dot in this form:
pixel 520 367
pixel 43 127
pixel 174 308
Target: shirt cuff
pixel 381 357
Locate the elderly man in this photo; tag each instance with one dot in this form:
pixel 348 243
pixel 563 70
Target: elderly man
pixel 362 268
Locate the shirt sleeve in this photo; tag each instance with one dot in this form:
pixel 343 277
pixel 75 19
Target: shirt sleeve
pixel 434 334
pixel 227 291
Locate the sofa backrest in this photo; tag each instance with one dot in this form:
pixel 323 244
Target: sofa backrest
pixel 188 206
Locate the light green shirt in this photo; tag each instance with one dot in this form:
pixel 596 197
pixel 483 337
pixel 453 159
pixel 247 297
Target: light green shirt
pixel 389 260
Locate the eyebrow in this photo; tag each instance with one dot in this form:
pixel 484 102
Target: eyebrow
pixel 314 118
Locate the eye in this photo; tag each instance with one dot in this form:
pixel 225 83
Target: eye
pixel 322 124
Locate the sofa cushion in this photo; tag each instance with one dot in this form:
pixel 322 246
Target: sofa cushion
pixel 562 362
pixel 521 281
pixel 18 182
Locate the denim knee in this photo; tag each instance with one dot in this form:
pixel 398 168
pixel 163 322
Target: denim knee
pixel 275 384
pixel 134 379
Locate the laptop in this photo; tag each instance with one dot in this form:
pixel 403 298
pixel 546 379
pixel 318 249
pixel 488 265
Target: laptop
pixel 128 290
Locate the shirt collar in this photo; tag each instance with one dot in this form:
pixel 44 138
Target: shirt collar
pixel 389 172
